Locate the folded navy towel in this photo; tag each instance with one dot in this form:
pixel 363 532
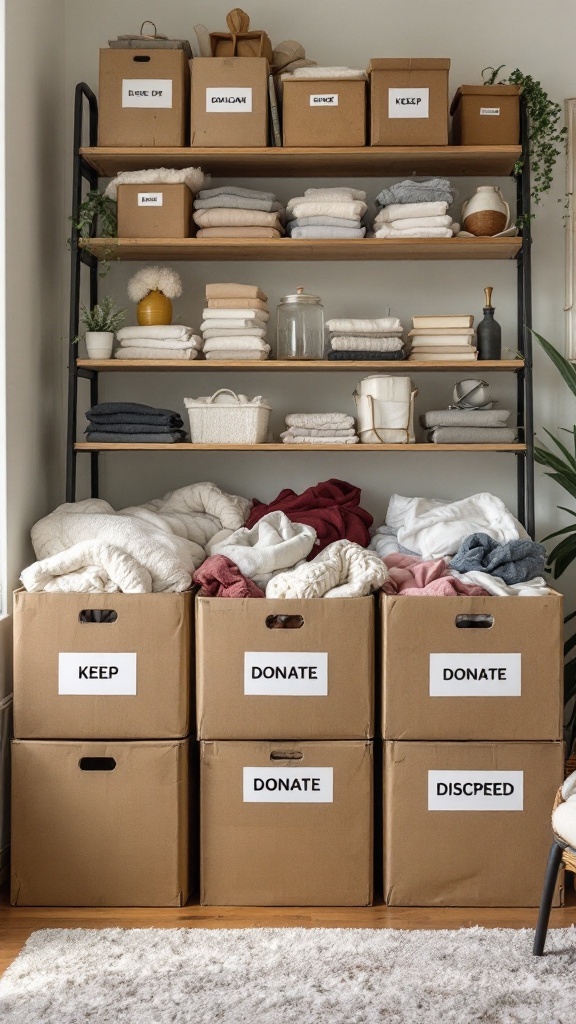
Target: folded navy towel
pixel 514 562
pixel 349 354
pixel 102 437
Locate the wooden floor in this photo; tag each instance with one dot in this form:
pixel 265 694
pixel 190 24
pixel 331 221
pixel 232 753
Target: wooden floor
pixel 17 923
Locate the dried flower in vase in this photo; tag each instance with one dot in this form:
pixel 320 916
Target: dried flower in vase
pixel 153 288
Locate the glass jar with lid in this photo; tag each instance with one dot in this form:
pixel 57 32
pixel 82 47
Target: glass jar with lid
pixel 300 324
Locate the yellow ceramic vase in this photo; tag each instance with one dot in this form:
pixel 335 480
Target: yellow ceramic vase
pixel 154 309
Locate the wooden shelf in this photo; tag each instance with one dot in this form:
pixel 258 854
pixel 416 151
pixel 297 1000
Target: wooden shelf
pixel 89 446
pixel 304 366
pixel 369 161
pixel 303 249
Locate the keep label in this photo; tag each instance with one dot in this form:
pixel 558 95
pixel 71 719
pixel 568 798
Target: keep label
pixel 475 791
pixel 150 199
pixel 97 675
pixel 147 92
pixel 229 101
pixel 408 103
pixel 475 675
pixel 285 674
pixel 324 100
pixel 288 785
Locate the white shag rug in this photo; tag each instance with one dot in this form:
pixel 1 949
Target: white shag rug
pixel 290 976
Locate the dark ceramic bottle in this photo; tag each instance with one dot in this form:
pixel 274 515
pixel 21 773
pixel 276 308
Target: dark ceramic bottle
pixel 489 332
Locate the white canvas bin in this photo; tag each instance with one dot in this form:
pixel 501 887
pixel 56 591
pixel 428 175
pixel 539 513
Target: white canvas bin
pixel 228 418
pixel 385 409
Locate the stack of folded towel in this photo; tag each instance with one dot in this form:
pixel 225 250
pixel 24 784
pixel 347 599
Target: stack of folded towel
pixel 366 339
pixel 166 341
pixel 327 213
pixel 319 428
pixel 132 423
pixel 415 209
pixel 233 212
pixel 234 325
pixel 440 338
pixel 468 426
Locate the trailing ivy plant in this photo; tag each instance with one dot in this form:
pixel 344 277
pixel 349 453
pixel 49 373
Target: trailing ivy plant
pixel 545 138
pixel 100 208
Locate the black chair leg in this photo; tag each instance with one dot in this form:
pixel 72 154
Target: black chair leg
pixel 554 861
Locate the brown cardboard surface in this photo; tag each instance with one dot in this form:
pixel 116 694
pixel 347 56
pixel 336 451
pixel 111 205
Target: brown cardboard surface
pixel 473 127
pixel 143 126
pixel 343 629
pixel 414 628
pixel 492 858
pixel 100 838
pixel 305 124
pixel 171 219
pixel 286 854
pixel 154 627
pixel 232 126
pixel 409 73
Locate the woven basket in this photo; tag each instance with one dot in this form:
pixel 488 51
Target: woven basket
pixel 232 420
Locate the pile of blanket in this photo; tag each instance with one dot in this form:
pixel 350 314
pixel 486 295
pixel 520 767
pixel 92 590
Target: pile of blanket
pixel 381 338
pixel 327 213
pixel 133 423
pixel 319 428
pixel 415 209
pixel 166 341
pixel 468 426
pixel 234 212
pixel 235 321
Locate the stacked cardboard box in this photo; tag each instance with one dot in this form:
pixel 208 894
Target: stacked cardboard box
pixel 100 763
pixel 471 719
pixel 285 713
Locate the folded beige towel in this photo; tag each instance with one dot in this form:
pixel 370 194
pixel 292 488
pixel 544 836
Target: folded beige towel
pixel 335 439
pixel 238 303
pixel 156 353
pixel 404 211
pixel 246 232
pixel 319 419
pixel 223 217
pixel 310 207
pixel 225 344
pixel 228 291
pixel 245 353
pixel 318 432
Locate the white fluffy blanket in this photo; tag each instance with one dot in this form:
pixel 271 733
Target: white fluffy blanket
pixel 434 528
pixel 343 569
pixel 192 177
pixel 272 545
pixel 88 547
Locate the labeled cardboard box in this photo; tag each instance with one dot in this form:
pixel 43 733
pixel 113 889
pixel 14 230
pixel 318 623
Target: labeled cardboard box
pixel 316 112
pixel 100 824
pixel 472 668
pixel 286 825
pixel 468 824
pixel 486 115
pixel 143 98
pixel 409 101
pixel 154 211
pixel 229 101
pixel 5 737
pixel 257 677
pixel 101 666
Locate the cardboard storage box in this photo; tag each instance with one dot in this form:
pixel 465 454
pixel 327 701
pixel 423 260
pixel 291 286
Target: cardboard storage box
pixel 468 824
pixel 256 681
pixel 100 824
pixel 486 115
pixel 409 101
pixel 316 112
pixel 229 101
pixel 123 679
pixel 287 825
pixel 443 680
pixel 143 98
pixel 154 211
pixel 5 737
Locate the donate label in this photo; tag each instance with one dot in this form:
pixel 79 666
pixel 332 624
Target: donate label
pixel 285 674
pixel 475 675
pixel 97 675
pixel 229 101
pixel 475 791
pixel 288 785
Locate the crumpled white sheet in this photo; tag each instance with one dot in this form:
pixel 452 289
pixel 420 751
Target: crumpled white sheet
pixel 494 585
pixel 273 544
pixel 342 569
pixel 434 528
pixel 88 547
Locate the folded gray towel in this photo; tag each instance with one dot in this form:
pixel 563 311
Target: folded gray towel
pixel 465 418
pixel 514 562
pixel 435 190
pixel 335 222
pixel 235 190
pixel 132 412
pixel 350 354
pixel 327 232
pixel 134 428
pixel 471 435
pixel 101 437
pixel 232 202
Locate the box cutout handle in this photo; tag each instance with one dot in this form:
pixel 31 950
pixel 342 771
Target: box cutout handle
pixel 141 59
pixel 474 621
pixel 284 621
pixel 97 615
pixel 286 755
pixel 97 764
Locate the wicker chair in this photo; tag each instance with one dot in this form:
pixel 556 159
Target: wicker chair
pixel 561 853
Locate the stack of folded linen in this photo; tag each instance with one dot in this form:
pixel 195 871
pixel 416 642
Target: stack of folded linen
pixel 468 426
pixel 366 339
pixel 233 212
pixel 415 209
pixel 441 338
pixel 132 423
pixel 319 428
pixel 234 325
pixel 165 341
pixel 327 213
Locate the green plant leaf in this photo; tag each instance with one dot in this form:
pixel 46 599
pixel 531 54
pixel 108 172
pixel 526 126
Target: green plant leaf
pixel 565 483
pixel 570 644
pixel 569 457
pixel 562 556
pixel 567 371
pixel 558 533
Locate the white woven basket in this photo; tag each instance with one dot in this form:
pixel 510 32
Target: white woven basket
pixel 233 419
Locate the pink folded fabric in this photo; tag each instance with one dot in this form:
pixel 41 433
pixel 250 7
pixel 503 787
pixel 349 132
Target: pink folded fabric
pixel 220 577
pixel 410 577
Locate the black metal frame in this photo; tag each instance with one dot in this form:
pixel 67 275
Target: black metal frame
pixel 79 258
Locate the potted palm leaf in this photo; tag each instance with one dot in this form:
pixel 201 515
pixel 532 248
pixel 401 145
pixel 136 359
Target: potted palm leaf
pixel 101 323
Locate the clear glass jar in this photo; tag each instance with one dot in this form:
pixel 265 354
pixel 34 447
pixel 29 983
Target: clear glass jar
pixel 300 325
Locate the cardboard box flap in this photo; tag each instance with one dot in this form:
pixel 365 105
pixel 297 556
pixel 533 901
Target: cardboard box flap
pixel 409 64
pixel 483 90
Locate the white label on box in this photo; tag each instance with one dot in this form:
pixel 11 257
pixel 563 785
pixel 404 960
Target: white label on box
pixel 490 111
pixel 97 675
pixel 288 785
pixel 285 674
pixel 475 675
pixel 324 100
pixel 475 791
pixel 408 102
pixel 150 199
pixel 146 92
pixel 229 101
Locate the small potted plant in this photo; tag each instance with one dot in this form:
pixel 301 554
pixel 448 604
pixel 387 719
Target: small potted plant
pixel 101 323
pixel 153 288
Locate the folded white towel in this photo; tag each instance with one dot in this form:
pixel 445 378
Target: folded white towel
pixel 303 207
pixel 236 314
pixel 403 211
pixel 231 337
pixel 342 569
pixel 384 323
pixel 318 432
pixel 340 192
pixel 272 545
pixel 217 344
pixel 134 352
pixel 239 353
pixel 312 439
pixel 192 342
pixel 385 231
pixel 161 332
pixel 420 222
pixel 319 419
pixel 231 324
pixel 351 343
